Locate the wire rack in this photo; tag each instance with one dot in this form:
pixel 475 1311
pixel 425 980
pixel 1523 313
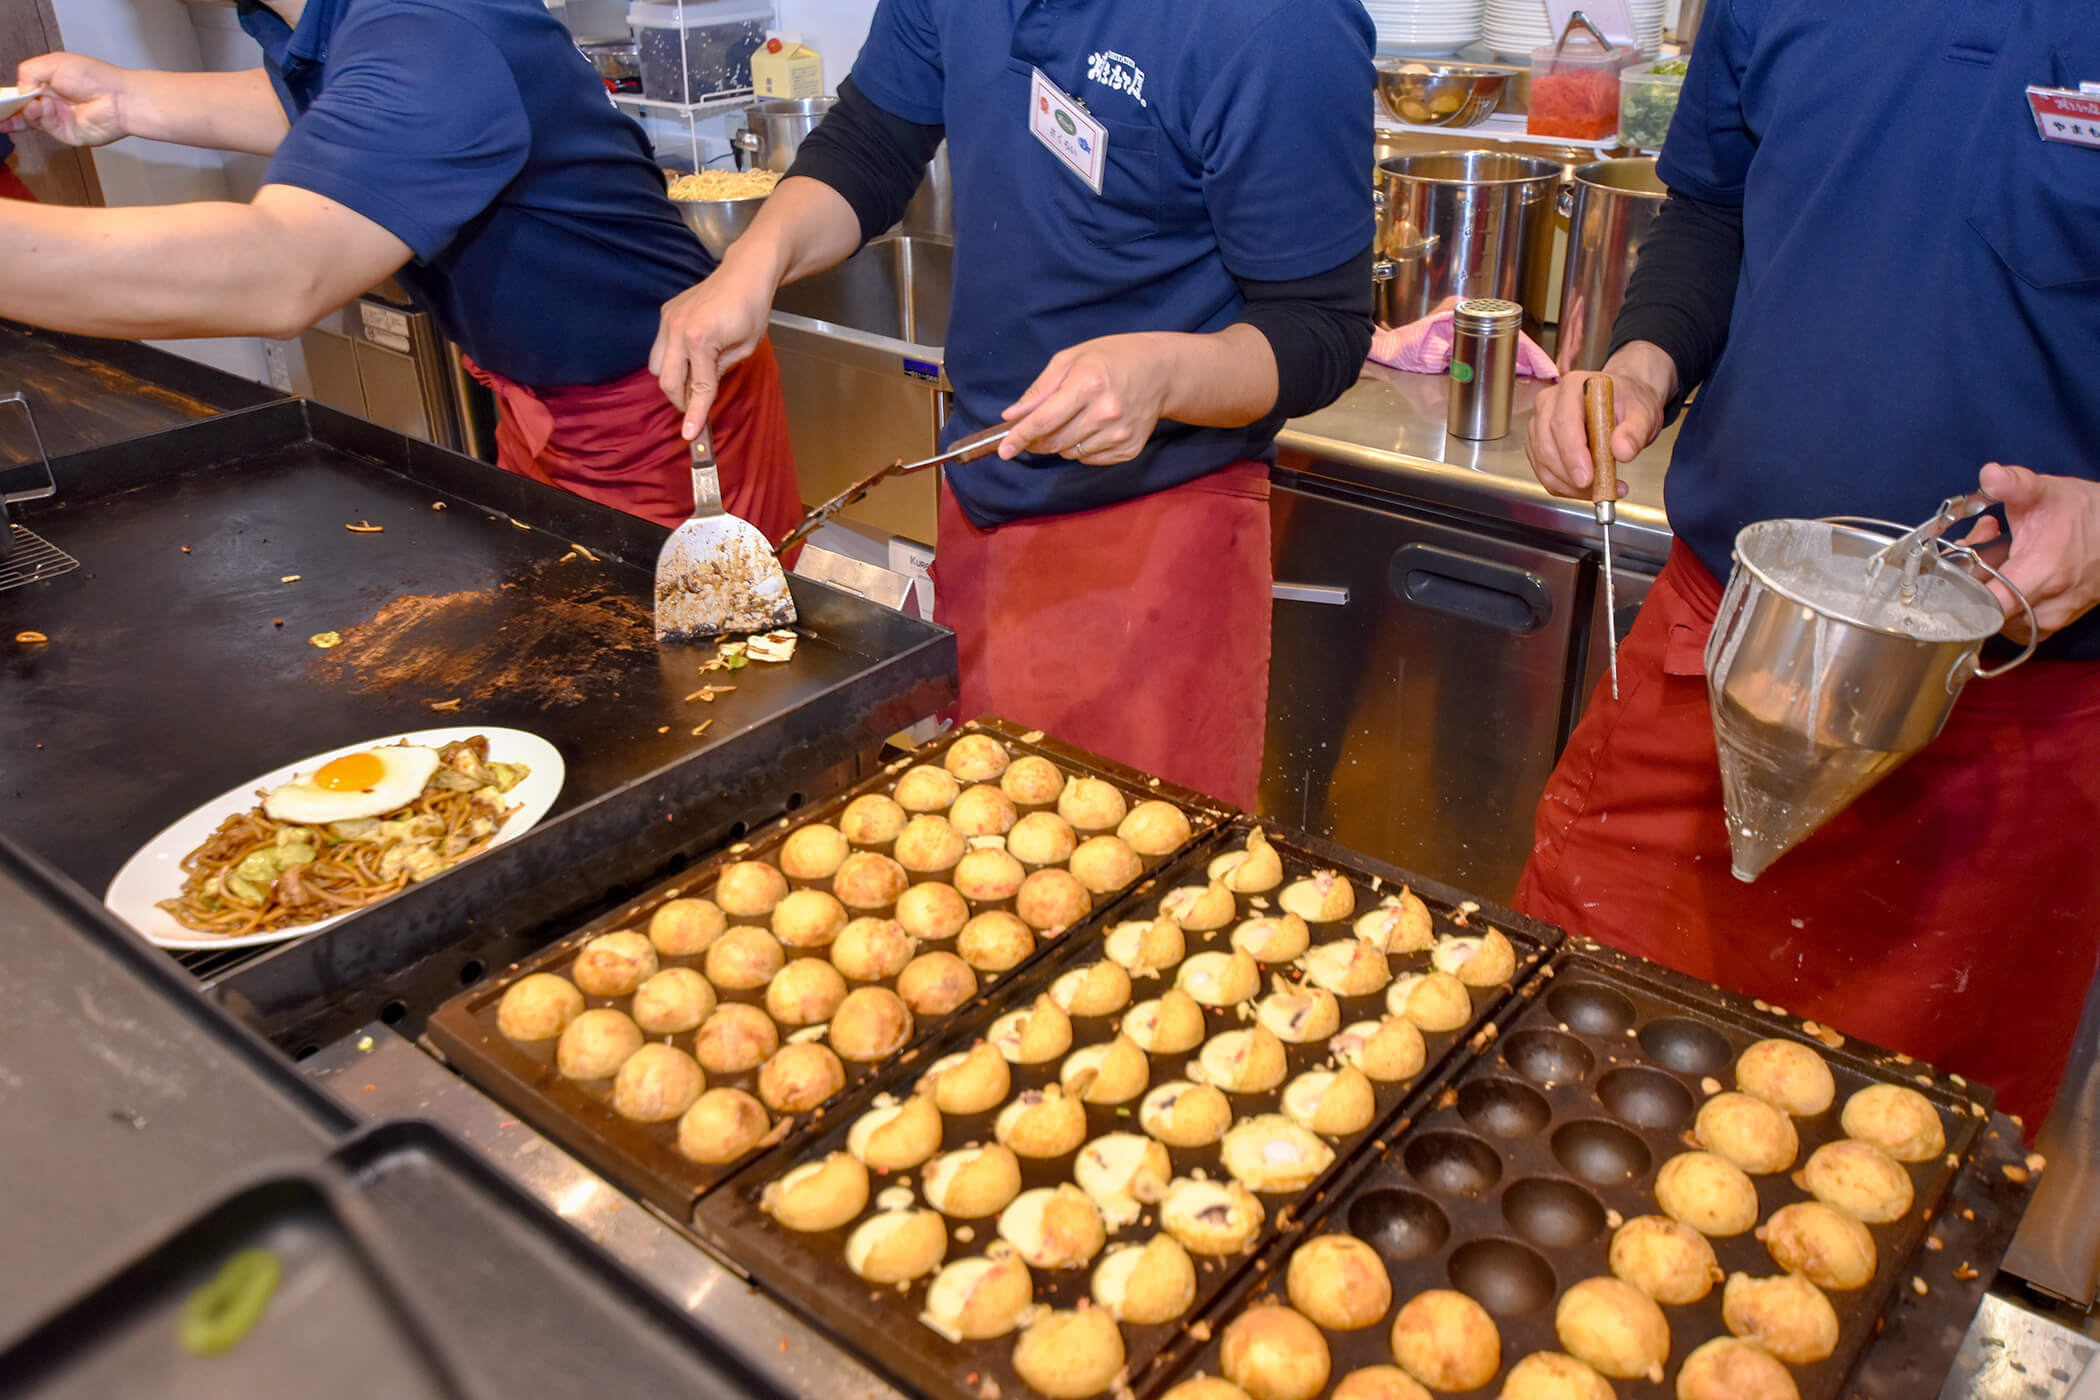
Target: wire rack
pixel 32 559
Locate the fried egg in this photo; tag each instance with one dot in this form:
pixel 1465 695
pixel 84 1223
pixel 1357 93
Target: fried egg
pixel 370 783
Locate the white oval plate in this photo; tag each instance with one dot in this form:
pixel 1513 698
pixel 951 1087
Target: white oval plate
pixel 154 872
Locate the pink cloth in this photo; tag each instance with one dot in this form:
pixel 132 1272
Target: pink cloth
pixel 1424 347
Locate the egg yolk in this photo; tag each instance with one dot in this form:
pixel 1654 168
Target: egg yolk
pixel 353 772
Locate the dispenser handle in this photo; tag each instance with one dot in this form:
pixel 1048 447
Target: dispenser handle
pixel 1984 673
pixel 1600 417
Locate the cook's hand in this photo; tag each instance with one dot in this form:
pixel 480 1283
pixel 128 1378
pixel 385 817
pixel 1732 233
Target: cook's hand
pixel 703 331
pixel 1096 402
pixel 1558 444
pixel 2055 556
pixel 80 104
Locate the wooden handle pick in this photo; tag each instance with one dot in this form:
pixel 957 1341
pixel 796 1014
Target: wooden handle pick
pixel 1597 411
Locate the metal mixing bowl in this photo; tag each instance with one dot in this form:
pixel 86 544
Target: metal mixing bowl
pixel 1440 94
pixel 719 221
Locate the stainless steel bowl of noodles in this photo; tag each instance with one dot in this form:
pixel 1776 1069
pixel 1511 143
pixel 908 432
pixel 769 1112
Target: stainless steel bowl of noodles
pixel 718 205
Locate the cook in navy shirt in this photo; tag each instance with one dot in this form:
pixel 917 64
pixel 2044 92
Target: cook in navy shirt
pixel 1879 277
pixel 465 147
pixel 1144 307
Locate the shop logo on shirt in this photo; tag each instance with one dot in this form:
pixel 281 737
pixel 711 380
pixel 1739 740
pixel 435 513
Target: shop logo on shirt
pixel 1117 73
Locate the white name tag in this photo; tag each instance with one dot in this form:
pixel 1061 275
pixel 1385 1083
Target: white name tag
pixel 2063 115
pixel 1076 139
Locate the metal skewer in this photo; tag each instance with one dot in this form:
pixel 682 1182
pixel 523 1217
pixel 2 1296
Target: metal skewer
pixel 1599 417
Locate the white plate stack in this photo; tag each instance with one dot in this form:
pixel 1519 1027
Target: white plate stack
pixel 1425 28
pixel 1513 28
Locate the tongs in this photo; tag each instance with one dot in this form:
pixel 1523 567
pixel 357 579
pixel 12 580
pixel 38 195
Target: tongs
pixel 968 449
pixel 1575 18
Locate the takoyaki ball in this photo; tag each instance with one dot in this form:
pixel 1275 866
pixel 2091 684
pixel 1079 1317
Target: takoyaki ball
pixel 1211 1217
pixel 1091 804
pixel 1147 1285
pixel 975 1080
pixel 1166 1026
pixel 1146 945
pixel 1098 989
pixel 682 927
pixel 1666 1259
pixel 674 1001
pixel 1727 1368
pixel 734 1039
pixel 932 912
pixel 1050 900
pixel 1788 1075
pixel 1274 1353
pixel 656 1084
pixel 1272 938
pixel 1269 1153
pixel 1339 1282
pixel 1323 897
pixel 1032 781
pixel 1551 1375
pixel 1255 870
pixel 1105 864
pixel 1860 1178
pixel 1901 1122
pixel 1333 1103
pixel 896 1136
pixel 808 919
pixel 1219 978
pixel 799 1077
pixel 1067 1355
pixel 973 1182
pixel 1201 1387
pixel 721 1126
pixel 976 758
pixel 1108 1074
pixel 1155 828
pixel 1711 1194
pixel 538 1007
pixel 1044 1122
pixel 1748 1132
pixel 1053 1227
pixel 1036 1033
pixel 1300 1015
pixel 817 1195
pixel 804 992
pixel 1614 1327
pixel 1249 1061
pixel 596 1044
pixel 983 811
pixel 925 788
pixel 1482 960
pixel 934 984
pixel 1446 1341
pixel 871 820
pixel 988 876
pixel 1400 924
pixel 869 881
pixel 614 964
pixel 897 1246
pixel 813 852
pixel 1042 838
pixel 973 1299
pixel 872 950
pixel 1785 1314
pixel 995 941
pixel 744 959
pixel 1348 967
pixel 1200 908
pixel 1379 1383
pixel 928 844
pixel 1387 1050
pixel 871 1024
pixel 1181 1114
pixel 1821 1243
pixel 1434 1001
pixel 1122 1173
pixel 747 889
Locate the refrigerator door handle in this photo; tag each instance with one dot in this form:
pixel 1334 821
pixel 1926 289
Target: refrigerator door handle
pixel 1501 596
pixel 1333 595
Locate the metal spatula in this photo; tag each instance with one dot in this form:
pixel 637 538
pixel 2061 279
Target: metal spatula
pixel 717 573
pixel 969 449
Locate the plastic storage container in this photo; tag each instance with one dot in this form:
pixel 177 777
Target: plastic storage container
pixel 697 49
pixel 1647 100
pixel 1575 94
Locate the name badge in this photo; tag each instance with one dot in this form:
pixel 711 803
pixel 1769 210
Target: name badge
pixel 1078 141
pixel 2063 115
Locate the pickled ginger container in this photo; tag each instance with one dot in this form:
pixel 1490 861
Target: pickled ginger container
pixel 1575 88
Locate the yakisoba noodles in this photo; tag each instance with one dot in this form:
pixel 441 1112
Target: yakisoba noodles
pixel 724 184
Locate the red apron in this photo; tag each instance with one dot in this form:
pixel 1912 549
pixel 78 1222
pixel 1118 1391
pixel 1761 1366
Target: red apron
pixel 11 186
pixel 1948 913
pixel 1139 630
pixel 619 443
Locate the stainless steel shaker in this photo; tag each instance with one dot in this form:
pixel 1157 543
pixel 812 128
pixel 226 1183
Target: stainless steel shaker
pixel 1483 367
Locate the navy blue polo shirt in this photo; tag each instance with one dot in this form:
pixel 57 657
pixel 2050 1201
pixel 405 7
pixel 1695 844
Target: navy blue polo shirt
pixel 1920 290
pixel 1239 145
pixel 474 132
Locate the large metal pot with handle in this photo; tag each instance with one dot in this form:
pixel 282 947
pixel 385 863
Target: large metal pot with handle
pixel 1609 205
pixel 773 131
pixel 1464 224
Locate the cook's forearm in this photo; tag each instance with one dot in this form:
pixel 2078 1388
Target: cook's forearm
pixel 1226 379
pixel 804 227
pixel 1681 296
pixel 1650 364
pixel 217 111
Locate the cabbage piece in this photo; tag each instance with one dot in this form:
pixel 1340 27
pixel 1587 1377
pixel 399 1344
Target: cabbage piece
pixel 259 868
pixel 357 829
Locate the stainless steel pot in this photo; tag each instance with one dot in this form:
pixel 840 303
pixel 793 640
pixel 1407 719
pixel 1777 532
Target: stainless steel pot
pixel 1609 205
pixel 773 131
pixel 1464 224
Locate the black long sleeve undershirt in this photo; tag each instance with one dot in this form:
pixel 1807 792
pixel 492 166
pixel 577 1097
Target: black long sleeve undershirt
pixel 1682 293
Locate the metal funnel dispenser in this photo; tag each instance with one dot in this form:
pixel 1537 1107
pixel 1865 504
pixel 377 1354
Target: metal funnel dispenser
pixel 1836 655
